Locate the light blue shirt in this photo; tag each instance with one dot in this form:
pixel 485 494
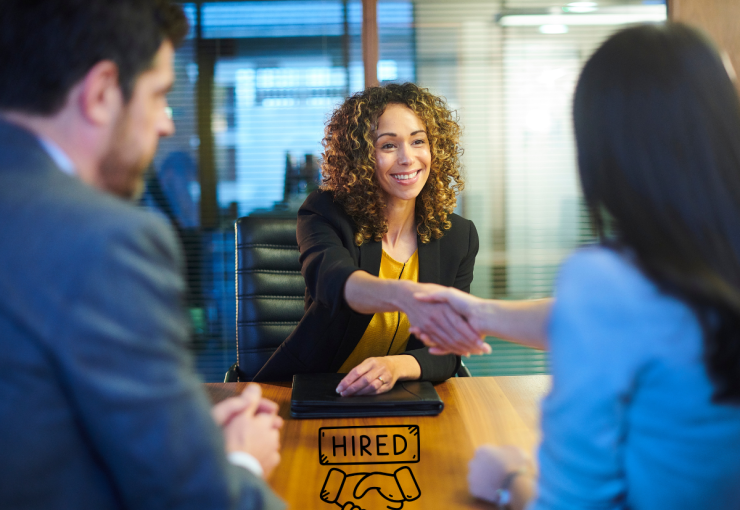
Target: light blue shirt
pixel 629 422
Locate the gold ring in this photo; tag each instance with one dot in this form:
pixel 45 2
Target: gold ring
pixel 381 379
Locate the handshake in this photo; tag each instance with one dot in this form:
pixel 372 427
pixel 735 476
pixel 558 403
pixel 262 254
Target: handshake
pixel 447 320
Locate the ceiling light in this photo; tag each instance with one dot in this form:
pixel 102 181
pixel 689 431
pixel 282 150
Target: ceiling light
pixel 553 29
pixel 580 9
pixel 645 14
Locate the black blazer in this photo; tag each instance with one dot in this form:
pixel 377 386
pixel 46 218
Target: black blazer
pixel 330 329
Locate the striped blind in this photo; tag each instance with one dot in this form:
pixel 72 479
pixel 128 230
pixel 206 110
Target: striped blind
pixel 509 68
pixel 276 69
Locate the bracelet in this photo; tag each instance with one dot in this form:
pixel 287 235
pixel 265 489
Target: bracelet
pixel 504 493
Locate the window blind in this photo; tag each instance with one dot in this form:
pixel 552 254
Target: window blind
pixel 257 80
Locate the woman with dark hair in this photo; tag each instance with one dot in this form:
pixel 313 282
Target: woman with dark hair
pixel 644 332
pixel 380 226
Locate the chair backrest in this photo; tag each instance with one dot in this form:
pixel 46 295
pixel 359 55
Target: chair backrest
pixel 269 289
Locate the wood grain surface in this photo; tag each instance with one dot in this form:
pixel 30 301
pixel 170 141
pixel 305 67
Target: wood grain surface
pixel 478 410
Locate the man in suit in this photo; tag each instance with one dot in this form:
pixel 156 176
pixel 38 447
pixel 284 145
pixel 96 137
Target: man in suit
pixel 99 406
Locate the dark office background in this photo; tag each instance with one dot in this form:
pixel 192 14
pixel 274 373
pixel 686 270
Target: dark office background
pixel 256 81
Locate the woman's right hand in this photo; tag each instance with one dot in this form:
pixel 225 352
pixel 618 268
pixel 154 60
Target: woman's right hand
pixel 439 324
pixel 521 321
pixel 460 307
pixel 436 320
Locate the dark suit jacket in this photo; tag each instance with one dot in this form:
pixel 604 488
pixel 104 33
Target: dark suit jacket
pixel 99 406
pixel 330 329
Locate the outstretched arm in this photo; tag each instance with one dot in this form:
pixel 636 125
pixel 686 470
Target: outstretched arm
pixel 365 293
pixel 524 322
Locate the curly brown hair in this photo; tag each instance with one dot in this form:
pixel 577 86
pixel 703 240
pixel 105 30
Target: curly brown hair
pixel 348 166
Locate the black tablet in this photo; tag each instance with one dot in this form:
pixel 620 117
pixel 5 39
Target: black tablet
pixel 315 396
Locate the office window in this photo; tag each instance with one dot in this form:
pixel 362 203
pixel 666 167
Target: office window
pixel 256 81
pixel 510 67
pixel 273 72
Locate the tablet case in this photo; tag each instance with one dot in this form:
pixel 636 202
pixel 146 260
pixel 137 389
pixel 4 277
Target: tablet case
pixel 315 396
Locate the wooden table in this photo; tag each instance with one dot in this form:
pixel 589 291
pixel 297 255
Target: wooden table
pixel 478 410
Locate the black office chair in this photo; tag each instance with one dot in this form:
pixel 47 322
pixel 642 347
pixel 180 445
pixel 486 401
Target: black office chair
pixel 269 291
pixel 463 371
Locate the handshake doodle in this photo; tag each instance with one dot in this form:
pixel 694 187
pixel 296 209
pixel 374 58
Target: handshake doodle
pixel 345 490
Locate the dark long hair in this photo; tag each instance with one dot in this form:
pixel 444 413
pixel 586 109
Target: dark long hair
pixel 657 123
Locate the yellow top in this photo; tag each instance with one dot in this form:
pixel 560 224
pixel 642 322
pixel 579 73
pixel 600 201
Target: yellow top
pixel 388 332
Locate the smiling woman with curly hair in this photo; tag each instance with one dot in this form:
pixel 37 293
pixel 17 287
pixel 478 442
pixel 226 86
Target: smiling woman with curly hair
pixel 349 160
pixel 381 229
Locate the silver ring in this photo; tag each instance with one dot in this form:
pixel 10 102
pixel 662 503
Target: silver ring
pixel 381 379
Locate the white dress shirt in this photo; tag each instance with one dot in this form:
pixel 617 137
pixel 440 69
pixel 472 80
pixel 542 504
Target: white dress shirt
pixel 58 155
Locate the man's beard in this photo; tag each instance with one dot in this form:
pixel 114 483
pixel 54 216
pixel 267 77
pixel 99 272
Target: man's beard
pixel 122 169
pixel 120 178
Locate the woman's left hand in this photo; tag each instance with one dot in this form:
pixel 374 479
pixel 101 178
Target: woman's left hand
pixel 372 377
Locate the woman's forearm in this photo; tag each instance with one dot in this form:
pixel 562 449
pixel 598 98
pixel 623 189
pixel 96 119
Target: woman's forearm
pixel 366 293
pixel 524 322
pixel 407 368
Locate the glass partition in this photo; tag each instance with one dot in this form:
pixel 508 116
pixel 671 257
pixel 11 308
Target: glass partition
pixel 257 80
